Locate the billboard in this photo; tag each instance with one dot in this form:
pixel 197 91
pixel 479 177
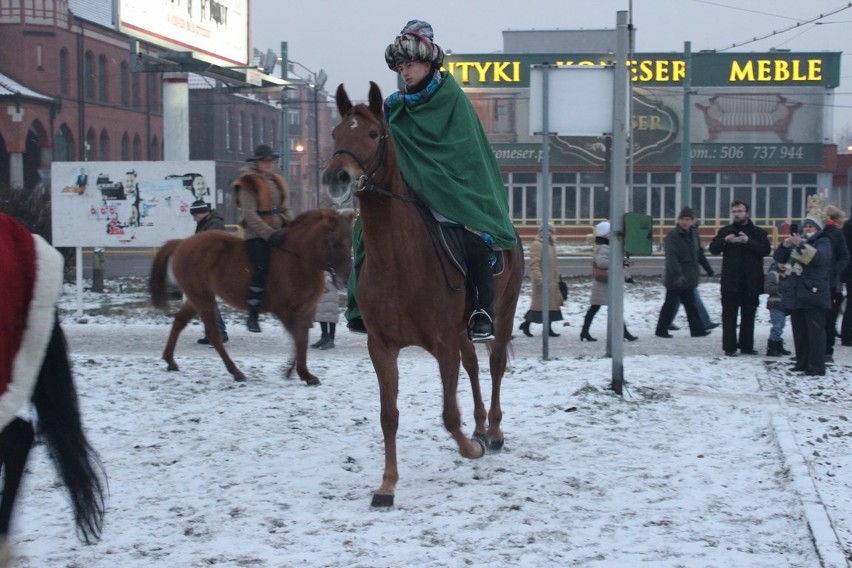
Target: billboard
pixel 216 31
pixel 126 204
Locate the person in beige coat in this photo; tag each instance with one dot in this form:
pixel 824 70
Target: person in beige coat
pixel 328 312
pixel 600 281
pixel 534 315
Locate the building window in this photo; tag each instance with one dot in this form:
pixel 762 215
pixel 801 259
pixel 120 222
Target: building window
pixel 252 128
pixel 63 145
pixel 103 86
pixel 228 129
pixel 240 146
pixel 103 146
pixel 503 116
pixel 125 84
pixel 125 147
pixel 64 83
pixel 89 75
pixel 90 145
pixel 39 58
pixel 154 152
pixel 137 148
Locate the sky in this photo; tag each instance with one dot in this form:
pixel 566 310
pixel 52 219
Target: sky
pixel 706 461
pixel 348 43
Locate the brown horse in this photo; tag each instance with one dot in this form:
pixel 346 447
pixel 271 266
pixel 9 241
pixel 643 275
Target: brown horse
pixel 215 263
pixel 407 293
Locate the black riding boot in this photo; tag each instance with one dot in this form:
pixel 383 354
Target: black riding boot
pixel 480 326
pixel 258 253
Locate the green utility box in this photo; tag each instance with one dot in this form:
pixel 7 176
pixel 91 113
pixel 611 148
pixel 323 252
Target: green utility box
pixel 637 234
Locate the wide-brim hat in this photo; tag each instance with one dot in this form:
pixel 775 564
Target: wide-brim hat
pixel 262 153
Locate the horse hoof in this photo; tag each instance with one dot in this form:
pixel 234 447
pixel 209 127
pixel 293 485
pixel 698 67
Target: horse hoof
pixel 172 367
pixel 312 382
pixel 482 446
pixel 496 445
pixel 240 378
pixel 382 502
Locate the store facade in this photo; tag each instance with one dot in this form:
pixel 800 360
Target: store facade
pixel 760 130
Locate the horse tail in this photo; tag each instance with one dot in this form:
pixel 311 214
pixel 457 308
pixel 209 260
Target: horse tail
pixel 157 281
pixel 55 400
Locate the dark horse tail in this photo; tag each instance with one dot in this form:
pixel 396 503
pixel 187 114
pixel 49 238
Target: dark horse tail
pixel 55 400
pixel 157 285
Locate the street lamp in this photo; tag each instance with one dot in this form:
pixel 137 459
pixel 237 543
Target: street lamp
pixel 316 82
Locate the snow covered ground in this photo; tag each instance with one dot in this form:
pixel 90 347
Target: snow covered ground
pixel 705 461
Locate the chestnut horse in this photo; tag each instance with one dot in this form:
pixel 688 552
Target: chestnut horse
pixel 407 292
pixel 215 263
pixel 34 367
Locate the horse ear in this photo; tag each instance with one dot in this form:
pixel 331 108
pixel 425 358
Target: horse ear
pixel 343 102
pixel 375 99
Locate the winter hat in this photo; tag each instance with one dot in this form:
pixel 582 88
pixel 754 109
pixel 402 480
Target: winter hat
pixel 602 229
pixel 414 43
pixel 687 212
pixel 199 206
pixel 262 153
pixel 813 220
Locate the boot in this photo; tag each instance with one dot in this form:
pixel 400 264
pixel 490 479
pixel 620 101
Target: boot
pixel 525 327
pixel 329 344
pixel 551 333
pixel 587 323
pixel 628 336
pixel 255 294
pixel 782 350
pixel 480 326
pixel 773 348
pixel 322 341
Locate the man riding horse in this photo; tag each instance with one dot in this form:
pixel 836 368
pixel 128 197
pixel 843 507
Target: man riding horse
pixel 446 160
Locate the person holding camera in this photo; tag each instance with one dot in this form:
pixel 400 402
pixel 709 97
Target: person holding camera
pixel 743 246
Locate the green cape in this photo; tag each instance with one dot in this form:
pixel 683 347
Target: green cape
pixel 445 157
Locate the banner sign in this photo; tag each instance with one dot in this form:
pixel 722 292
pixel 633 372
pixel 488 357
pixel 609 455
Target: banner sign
pixel 126 204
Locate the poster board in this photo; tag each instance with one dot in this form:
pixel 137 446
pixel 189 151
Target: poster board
pixel 126 204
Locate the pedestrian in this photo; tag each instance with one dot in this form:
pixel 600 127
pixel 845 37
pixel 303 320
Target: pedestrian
pixel 207 219
pixel 743 246
pixel 846 278
pixel 835 219
pixel 554 302
pixel 261 195
pixel 600 281
pixel 328 312
pixel 777 316
pixel 806 291
pixel 681 275
pixel 699 303
pixel 447 161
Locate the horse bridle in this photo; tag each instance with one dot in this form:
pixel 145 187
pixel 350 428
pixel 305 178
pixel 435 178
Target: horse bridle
pixel 365 181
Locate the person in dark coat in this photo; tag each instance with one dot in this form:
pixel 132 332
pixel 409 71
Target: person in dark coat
pixel 683 252
pixel 806 292
pixel 846 278
pixel 743 246
pixel 207 219
pixel 840 260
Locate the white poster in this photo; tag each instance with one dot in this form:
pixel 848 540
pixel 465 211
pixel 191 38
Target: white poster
pixel 126 204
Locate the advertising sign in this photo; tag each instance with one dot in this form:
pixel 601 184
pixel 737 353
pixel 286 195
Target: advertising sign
pixel 126 204
pixel 215 31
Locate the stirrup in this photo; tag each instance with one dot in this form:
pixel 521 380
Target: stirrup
pixel 480 330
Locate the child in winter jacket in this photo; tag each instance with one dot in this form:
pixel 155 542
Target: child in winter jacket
pixel 778 317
